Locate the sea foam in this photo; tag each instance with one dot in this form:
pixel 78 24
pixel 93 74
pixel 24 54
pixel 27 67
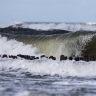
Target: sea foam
pixel 13 47
pixel 51 26
pixel 50 67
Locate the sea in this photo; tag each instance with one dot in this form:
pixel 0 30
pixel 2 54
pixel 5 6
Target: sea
pixel 44 76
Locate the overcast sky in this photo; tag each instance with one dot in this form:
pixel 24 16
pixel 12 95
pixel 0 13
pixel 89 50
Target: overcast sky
pixel 48 10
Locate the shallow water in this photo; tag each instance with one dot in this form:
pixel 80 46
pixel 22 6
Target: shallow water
pixel 17 81
pixel 26 84
pixel 44 77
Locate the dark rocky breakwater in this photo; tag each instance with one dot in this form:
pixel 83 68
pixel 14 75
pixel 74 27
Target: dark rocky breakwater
pixel 62 57
pixel 84 58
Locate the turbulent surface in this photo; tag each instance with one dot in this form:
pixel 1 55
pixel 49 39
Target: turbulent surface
pixel 24 85
pixel 52 26
pixel 41 78
pixel 45 77
pixel 69 44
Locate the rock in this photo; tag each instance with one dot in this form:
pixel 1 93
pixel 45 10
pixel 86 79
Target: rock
pixel 36 57
pixel 92 58
pixel 11 56
pixel 62 57
pixel 43 56
pixel 70 58
pixel 53 58
pixel 86 58
pixel 24 56
pixel 77 58
pixel 4 55
pixel 81 58
pixel 32 57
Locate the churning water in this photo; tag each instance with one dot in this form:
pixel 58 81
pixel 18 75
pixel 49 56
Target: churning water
pixel 46 77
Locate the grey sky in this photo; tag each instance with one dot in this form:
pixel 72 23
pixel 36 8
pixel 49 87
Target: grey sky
pixel 48 10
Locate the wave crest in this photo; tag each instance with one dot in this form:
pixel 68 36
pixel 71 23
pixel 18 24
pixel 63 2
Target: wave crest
pixel 51 26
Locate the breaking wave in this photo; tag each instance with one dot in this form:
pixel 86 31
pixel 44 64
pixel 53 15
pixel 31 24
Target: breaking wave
pixel 70 44
pixel 22 39
pixel 52 26
pixel 14 47
pixel 50 67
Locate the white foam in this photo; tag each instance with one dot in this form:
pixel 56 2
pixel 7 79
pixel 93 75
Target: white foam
pixel 24 93
pixel 50 67
pixel 4 25
pixel 13 47
pixel 91 23
pixel 86 82
pixel 50 26
pixel 69 46
pixel 62 26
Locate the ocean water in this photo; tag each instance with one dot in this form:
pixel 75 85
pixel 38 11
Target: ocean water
pixel 43 76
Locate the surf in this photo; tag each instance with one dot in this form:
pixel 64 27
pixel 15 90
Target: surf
pixel 70 44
